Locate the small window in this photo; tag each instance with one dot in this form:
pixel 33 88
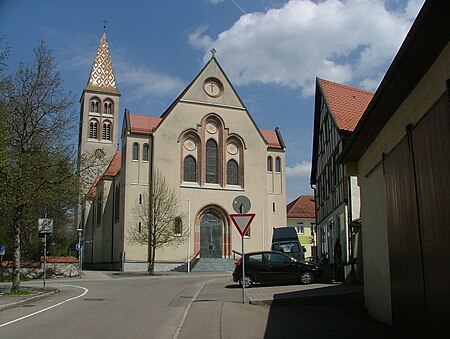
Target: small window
pixel 300 228
pixel 140 199
pixel 107 130
pixel 269 164
pixel 93 129
pixel 273 207
pixel 145 153
pixel 232 173
pixel 278 165
pixel 178 225
pixel 190 169
pixel 135 151
pixel 139 227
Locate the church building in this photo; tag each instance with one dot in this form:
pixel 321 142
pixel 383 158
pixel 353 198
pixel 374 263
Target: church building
pixel 209 150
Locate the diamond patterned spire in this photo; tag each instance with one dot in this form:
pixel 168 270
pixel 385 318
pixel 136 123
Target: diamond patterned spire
pixel 102 74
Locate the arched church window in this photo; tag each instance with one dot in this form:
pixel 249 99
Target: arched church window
pixel 145 153
pixel 232 173
pixel 211 162
pixel 107 107
pixel 190 169
pixel 178 226
pixel 95 106
pixel 135 151
pixel 278 165
pixel 93 125
pixel 269 164
pixel 107 130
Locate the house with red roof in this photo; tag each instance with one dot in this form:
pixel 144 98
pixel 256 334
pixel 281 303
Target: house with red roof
pixel 209 150
pixel 337 111
pixel 301 214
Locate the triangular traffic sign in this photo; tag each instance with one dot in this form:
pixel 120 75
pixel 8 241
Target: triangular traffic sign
pixel 242 222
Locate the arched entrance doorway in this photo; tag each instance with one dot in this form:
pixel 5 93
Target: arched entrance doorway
pixel 211 237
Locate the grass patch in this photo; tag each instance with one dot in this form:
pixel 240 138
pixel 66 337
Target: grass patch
pixel 18 293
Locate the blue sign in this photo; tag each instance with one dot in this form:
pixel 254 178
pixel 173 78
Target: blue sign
pixel 2 249
pixel 77 247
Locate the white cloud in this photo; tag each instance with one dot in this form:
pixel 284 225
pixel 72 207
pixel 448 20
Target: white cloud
pixel 213 2
pixel 302 169
pixel 345 41
pixel 144 82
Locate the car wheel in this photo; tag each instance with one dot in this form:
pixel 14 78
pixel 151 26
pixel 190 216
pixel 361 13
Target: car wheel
pixel 248 281
pixel 306 277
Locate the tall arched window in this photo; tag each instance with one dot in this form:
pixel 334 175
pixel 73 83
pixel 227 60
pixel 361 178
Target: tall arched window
pixel 135 151
pixel 107 107
pixel 190 169
pixel 211 162
pixel 106 130
pixel 94 106
pixel 278 165
pixel 145 153
pixel 269 164
pixel 232 173
pixel 93 129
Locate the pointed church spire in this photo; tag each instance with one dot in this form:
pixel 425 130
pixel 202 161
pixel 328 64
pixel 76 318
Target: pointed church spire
pixel 102 76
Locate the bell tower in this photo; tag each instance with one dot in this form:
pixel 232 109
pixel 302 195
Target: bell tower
pixel 99 107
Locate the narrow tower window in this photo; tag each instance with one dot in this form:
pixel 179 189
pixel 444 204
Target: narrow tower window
pixel 107 130
pixel 145 154
pixel 278 165
pixel 135 151
pixel 93 129
pixel 94 106
pixel 269 164
pixel 107 108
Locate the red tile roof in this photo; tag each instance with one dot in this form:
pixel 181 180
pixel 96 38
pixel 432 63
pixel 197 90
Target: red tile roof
pixel 114 165
pixel 347 104
pixel 143 124
pixel 271 138
pixel 302 207
pixel 93 190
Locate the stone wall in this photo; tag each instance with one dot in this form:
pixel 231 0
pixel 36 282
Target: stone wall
pixel 56 267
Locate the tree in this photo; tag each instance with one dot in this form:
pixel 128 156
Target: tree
pixel 38 167
pixel 159 220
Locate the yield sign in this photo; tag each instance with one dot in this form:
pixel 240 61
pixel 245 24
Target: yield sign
pixel 242 222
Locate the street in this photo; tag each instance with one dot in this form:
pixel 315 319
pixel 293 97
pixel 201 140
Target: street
pixel 176 306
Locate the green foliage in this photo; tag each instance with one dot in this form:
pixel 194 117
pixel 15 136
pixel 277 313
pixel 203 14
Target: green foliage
pixel 37 160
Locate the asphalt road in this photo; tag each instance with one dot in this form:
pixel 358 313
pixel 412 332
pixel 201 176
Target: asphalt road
pixel 178 307
pixel 126 307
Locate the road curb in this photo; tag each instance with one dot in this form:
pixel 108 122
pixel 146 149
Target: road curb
pixel 356 298
pixel 21 302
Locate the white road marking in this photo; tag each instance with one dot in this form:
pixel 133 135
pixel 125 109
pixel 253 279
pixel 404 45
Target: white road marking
pixel 186 311
pixel 85 291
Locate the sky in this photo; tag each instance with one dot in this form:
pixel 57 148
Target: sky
pixel 271 50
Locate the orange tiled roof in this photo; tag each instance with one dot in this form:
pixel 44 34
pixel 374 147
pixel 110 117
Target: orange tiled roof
pixel 92 193
pixel 271 138
pixel 143 123
pixel 114 165
pixel 302 207
pixel 347 104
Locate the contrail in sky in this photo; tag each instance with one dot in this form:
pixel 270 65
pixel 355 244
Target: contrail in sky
pixel 237 5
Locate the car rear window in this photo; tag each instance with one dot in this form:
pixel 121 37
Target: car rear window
pixel 289 247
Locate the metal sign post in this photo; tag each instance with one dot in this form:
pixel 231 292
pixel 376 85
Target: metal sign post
pixel 45 258
pixel 45 226
pixel 242 223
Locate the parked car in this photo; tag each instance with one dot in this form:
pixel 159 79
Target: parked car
pixel 274 267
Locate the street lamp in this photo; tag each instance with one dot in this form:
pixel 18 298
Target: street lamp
pixel 80 252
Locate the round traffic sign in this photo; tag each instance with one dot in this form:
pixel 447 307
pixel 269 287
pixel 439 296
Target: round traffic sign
pixel 241 204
